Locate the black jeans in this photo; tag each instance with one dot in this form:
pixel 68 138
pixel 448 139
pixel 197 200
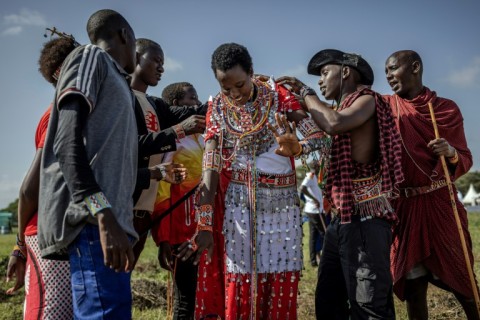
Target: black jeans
pixel 185 288
pixel 354 274
pixel 316 231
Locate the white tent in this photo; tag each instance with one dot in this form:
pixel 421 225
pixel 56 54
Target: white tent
pixel 472 198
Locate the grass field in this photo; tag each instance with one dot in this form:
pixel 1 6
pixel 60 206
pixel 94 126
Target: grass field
pixel 149 286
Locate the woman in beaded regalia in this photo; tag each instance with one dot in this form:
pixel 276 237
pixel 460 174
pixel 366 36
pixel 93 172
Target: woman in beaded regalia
pixel 247 204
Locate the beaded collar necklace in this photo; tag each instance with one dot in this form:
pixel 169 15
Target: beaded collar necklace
pixel 248 119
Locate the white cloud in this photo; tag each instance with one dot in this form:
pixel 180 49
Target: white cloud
pixel 172 65
pixel 25 18
pixel 12 31
pixel 468 76
pixel 14 22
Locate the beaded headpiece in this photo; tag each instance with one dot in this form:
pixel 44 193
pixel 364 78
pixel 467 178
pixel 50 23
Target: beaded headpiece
pixel 53 31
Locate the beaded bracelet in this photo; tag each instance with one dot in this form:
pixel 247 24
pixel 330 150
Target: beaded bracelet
pixel 306 91
pixel 96 202
pixel 212 160
pixel 21 245
pixel 204 215
pixel 163 172
pixel 17 252
pixel 179 131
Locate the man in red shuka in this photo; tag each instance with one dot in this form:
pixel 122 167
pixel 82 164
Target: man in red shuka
pixel 426 246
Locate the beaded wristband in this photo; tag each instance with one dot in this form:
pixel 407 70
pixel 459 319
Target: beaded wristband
pixel 96 202
pixel 17 252
pixel 179 131
pixel 163 172
pixel 212 160
pixel 21 245
pixel 307 91
pixel 204 215
pixel 308 127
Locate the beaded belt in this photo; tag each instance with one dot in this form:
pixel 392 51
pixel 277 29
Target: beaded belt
pixel 366 189
pixel 415 191
pixel 266 179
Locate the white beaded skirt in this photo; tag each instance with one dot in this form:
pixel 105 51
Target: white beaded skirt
pixel 277 246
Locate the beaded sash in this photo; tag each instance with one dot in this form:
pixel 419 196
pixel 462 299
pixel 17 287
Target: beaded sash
pixel 369 200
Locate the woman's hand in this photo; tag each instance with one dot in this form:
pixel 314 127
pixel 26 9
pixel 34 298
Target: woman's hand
pixel 201 242
pixel 289 145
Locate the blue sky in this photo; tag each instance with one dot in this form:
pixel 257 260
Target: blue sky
pixel 281 36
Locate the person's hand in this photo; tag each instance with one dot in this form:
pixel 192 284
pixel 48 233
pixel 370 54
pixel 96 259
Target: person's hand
pixel 317 204
pixel 261 77
pixel 165 256
pixel 117 250
pixel 292 83
pixel 16 268
pixel 201 242
pixel 174 173
pixel 193 124
pixel 441 147
pixel 287 139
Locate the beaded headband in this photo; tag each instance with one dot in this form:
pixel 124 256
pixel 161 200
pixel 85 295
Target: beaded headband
pixel 53 31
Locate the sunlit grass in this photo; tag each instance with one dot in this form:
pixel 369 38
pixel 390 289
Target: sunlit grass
pixel 442 305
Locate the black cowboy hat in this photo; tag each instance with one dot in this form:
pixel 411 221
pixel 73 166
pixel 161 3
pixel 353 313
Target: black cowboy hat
pixel 332 56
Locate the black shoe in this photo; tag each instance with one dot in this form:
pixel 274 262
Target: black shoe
pixel 314 264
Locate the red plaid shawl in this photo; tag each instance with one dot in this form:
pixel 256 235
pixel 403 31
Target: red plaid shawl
pixel 339 187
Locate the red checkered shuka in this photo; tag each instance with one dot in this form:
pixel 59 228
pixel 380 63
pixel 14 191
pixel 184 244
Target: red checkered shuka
pixel 339 188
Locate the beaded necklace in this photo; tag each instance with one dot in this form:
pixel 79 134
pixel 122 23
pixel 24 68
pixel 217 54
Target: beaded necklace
pixel 247 121
pixel 240 120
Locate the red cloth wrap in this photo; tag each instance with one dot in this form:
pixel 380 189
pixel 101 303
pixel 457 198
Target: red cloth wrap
pixel 427 231
pixel 339 188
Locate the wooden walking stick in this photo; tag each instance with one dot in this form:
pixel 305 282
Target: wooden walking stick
pixel 455 213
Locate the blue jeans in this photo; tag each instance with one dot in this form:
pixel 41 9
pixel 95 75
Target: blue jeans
pixel 98 291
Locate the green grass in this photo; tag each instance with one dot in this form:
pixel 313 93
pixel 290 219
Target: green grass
pixel 149 281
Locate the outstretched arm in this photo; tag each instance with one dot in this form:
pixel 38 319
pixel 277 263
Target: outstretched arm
pixel 331 121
